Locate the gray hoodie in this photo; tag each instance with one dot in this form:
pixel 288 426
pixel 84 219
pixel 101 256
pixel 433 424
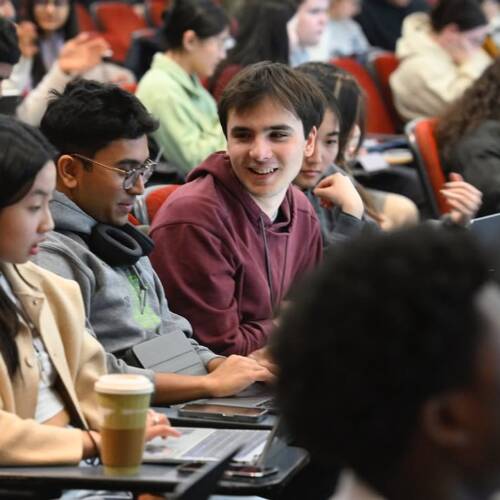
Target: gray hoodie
pixel 124 305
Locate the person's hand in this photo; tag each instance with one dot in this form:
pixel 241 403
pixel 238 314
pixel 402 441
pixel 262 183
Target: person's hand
pixel 337 189
pixel 27 38
pixel 263 357
pixel 82 53
pixel 234 374
pixel 463 198
pixel 459 47
pixel 157 424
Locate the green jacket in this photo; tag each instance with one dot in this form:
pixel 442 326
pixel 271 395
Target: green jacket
pixel 189 126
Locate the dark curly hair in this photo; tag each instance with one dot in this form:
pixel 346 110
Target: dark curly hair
pixel 385 324
pixel 480 102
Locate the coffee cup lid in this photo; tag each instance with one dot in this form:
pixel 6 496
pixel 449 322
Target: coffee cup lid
pixel 123 383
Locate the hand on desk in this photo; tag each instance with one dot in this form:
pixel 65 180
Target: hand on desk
pixel 157 425
pixel 231 375
pixel 263 357
pixel 463 198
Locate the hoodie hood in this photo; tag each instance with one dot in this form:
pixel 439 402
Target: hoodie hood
pixel 69 217
pixel 416 36
pixel 218 165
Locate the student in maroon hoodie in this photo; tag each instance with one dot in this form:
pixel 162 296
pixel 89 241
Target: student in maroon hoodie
pixel 230 242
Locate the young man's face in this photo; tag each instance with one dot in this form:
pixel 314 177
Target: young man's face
pixel 266 146
pixel 325 153
pixel 312 16
pixel 99 191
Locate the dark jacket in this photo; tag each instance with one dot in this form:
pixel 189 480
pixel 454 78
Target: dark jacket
pixel 227 266
pixel 381 21
pixel 477 157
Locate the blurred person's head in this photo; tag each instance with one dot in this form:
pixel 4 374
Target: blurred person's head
pixel 344 9
pixel 490 9
pixel 7 10
pixel 459 23
pixel 9 48
pixel 480 102
pixel 402 381
pixel 326 147
pixel 51 16
pixel 101 132
pixel 262 33
pixel 310 21
pixel 196 32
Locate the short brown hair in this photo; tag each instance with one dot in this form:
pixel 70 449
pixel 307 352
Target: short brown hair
pixel 295 91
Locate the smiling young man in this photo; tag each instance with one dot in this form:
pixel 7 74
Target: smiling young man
pixel 100 132
pixel 232 240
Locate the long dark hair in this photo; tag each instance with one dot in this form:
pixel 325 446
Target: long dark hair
pixel 23 153
pixel 343 90
pixel 204 17
pixel 262 35
pixel 480 102
pixel 68 30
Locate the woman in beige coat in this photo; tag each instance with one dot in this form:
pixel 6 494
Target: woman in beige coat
pixel 48 362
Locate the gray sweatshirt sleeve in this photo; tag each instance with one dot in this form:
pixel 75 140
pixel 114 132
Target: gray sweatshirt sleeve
pixel 173 322
pixel 54 259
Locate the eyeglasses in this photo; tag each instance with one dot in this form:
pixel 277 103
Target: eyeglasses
pixel 130 175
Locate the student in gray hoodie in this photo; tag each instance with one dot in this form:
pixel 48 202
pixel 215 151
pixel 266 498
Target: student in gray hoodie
pixel 100 131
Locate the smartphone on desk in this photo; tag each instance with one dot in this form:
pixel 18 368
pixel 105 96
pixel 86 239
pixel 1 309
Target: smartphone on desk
pixel 223 412
pixel 244 471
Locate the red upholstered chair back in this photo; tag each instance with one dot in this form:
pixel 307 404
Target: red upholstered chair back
pixel 85 22
pixel 378 117
pixel 383 64
pixel 155 199
pixel 154 11
pixel 421 136
pixel 117 21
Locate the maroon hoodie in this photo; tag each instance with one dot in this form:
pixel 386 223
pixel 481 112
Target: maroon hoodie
pixel 224 265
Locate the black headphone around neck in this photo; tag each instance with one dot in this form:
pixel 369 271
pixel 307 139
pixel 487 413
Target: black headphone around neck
pixel 119 246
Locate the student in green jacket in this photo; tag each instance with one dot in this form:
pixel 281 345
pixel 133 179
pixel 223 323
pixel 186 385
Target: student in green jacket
pixel 196 32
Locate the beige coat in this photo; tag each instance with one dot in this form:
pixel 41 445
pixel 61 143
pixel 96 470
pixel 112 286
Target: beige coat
pixel 55 307
pixel 427 79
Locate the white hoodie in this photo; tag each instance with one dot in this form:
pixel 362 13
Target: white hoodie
pixel 427 78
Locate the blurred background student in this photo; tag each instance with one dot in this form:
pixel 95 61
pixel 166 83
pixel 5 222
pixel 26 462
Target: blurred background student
pixel 468 135
pixel 196 32
pixel 440 56
pixel 53 53
pixel 343 36
pixel 262 35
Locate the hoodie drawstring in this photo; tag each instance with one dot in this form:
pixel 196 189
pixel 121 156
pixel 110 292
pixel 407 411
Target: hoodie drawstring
pixel 268 261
